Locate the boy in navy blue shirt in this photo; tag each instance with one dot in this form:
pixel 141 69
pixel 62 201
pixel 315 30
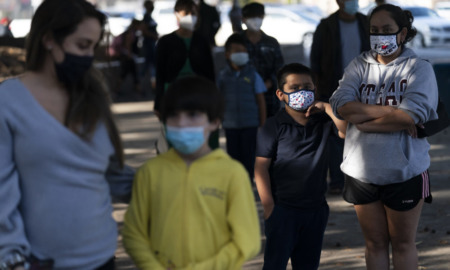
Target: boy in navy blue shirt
pixel 245 108
pixel 291 170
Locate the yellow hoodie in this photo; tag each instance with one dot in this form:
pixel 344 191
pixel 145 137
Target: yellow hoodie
pixel 197 217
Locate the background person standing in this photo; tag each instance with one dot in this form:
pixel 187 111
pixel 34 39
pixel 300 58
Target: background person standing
pixel 337 40
pixel 150 37
pixel 264 52
pixel 208 20
pixel 182 53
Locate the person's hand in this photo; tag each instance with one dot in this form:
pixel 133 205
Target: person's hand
pixel 268 209
pixel 317 106
pixel 268 84
pixel 412 130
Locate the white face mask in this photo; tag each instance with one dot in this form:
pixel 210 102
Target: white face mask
pixel 384 45
pixel 254 24
pixel 239 59
pixel 188 22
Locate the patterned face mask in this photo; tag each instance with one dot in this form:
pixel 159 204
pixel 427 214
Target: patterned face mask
pixel 384 44
pixel 301 99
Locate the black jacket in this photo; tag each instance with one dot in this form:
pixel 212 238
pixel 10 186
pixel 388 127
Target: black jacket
pixel 171 54
pixel 326 52
pixel 209 22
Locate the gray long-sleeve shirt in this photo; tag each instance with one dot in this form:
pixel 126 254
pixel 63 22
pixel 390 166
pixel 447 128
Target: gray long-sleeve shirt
pixel 54 198
pixel 407 83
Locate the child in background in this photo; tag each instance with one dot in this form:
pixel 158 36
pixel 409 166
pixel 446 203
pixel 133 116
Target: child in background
pixel 291 171
pixel 191 207
pixel 184 52
pixel 245 108
pixel 264 51
pixel 125 48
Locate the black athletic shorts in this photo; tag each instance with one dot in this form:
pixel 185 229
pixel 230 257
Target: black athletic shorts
pixel 399 196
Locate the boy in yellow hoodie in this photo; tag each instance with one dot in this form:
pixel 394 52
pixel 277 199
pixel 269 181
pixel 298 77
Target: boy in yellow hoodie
pixel 191 207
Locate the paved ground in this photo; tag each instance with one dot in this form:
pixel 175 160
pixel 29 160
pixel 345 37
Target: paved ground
pixel 343 247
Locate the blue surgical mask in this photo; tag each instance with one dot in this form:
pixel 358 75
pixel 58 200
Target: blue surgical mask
pixel 351 7
pixel 239 59
pixel 186 140
pixel 301 99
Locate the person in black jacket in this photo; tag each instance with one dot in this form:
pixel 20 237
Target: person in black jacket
pixel 181 53
pixel 209 20
pixel 337 40
pixel 150 37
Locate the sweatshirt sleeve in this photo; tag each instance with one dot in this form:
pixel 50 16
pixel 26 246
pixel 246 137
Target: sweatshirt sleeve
pixel 348 87
pixel 421 96
pixel 243 222
pixel 136 230
pixel 12 235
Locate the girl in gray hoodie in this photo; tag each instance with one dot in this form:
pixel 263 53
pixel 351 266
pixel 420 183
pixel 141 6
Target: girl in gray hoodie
pixel 384 94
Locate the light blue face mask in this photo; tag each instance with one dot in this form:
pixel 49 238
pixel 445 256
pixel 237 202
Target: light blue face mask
pixel 185 140
pixel 239 59
pixel 351 7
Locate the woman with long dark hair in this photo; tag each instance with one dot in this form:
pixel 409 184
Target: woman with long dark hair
pixel 57 140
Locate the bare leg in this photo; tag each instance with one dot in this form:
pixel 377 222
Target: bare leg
pixel 402 230
pixel 374 225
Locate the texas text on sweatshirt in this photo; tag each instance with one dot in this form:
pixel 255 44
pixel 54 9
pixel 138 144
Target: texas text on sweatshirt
pixel 407 83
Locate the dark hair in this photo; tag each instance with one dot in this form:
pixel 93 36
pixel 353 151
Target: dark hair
pixel 403 18
pixel 89 101
pixel 235 39
pixel 60 19
pixel 293 68
pixel 253 9
pixel 134 25
pixel 193 93
pixel 187 5
pixel 149 4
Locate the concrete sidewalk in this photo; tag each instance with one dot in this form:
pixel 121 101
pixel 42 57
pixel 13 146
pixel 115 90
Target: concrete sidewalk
pixel 343 246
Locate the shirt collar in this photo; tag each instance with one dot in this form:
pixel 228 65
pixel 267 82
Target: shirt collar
pixel 284 118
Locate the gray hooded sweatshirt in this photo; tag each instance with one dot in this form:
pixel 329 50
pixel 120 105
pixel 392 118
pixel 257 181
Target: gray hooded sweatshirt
pixel 407 83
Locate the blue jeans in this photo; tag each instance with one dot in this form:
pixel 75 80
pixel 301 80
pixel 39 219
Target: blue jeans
pixel 241 145
pixel 296 234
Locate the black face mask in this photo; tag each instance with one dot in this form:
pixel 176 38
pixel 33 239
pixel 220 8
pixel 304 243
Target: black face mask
pixel 73 68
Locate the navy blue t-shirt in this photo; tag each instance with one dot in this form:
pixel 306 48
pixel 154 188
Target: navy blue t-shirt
pixel 298 168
